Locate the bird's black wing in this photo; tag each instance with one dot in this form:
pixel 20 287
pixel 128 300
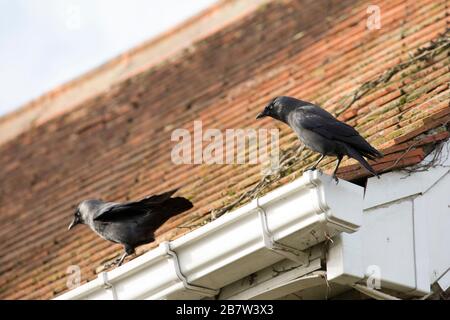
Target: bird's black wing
pixel 318 120
pixel 160 203
pixel 120 211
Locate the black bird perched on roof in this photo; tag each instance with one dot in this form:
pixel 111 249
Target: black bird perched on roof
pixel 321 132
pixel 132 223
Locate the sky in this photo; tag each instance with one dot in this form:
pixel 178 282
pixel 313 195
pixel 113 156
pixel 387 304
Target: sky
pixel 44 43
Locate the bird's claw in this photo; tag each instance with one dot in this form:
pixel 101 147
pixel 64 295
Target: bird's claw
pixel 111 263
pixel 336 179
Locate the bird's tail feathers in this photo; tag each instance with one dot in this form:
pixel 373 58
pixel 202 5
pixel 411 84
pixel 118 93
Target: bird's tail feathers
pixel 357 156
pixel 372 156
pixel 372 153
pixel 177 205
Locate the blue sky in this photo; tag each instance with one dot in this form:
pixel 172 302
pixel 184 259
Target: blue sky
pixel 44 43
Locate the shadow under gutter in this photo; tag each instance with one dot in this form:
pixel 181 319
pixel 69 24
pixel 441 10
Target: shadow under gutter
pixel 280 225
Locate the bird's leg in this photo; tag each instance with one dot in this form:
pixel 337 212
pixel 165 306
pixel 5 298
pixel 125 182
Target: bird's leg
pixel 128 251
pixel 120 261
pixel 317 163
pixel 336 168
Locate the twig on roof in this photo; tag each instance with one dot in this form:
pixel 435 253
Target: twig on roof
pixel 436 161
pixel 285 163
pixel 427 53
pixel 403 155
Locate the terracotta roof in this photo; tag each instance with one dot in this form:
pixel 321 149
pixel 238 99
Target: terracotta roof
pixel 391 83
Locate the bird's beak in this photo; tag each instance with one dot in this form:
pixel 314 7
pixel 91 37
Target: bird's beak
pixel 261 115
pixel 265 112
pixel 74 222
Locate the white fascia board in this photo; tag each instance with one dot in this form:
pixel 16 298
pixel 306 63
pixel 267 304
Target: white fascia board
pixel 432 220
pixel 274 227
pixel 382 191
pixel 382 253
pixel 404 232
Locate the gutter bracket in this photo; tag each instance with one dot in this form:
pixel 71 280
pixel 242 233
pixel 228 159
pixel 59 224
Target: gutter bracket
pixel 190 287
pixel 107 285
pixel 375 294
pixel 288 252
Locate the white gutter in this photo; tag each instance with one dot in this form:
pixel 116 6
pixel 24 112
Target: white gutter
pixel 274 227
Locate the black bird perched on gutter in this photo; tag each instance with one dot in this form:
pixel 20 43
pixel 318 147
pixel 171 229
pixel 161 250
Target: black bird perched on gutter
pixel 132 223
pixel 321 132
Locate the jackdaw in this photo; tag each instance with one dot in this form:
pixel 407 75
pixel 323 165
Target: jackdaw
pixel 321 132
pixel 132 223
